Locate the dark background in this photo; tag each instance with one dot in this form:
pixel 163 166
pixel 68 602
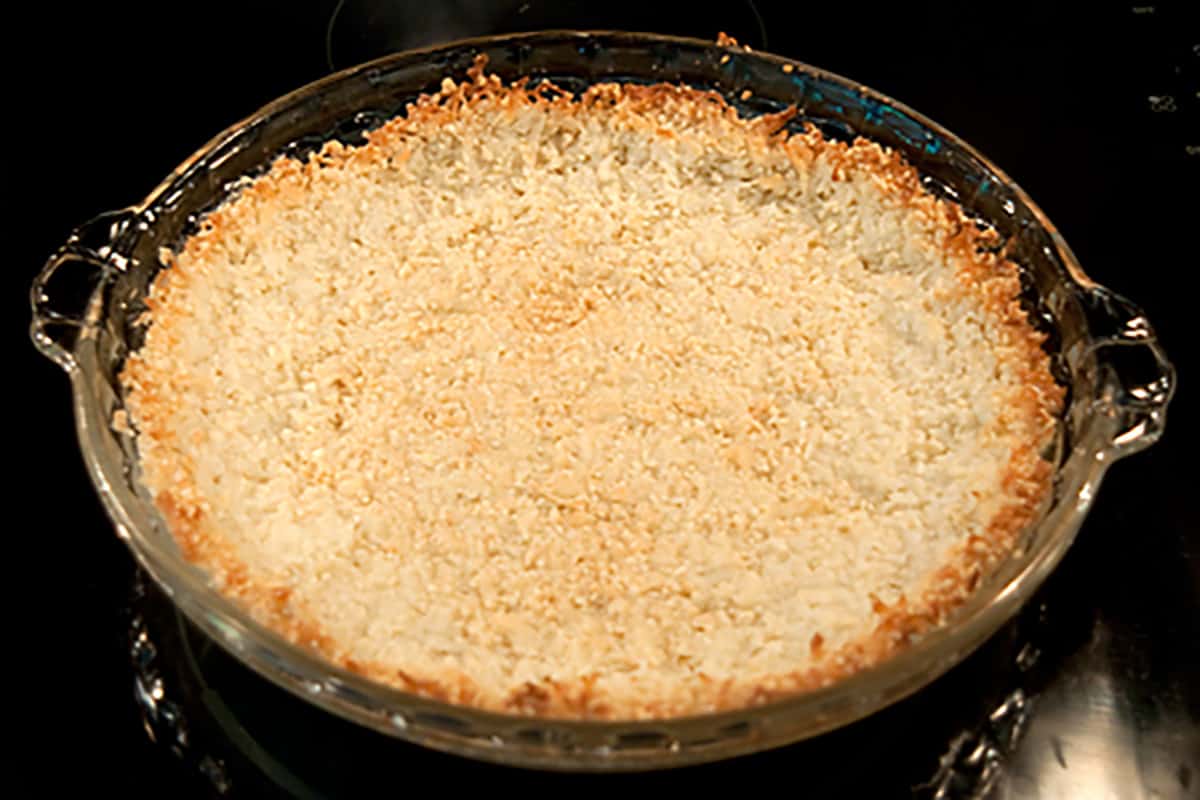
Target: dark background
pixel 1093 110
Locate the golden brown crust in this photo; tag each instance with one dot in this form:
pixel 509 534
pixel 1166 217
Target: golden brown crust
pixel 992 278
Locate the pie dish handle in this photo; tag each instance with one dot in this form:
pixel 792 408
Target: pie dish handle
pixel 63 298
pixel 1138 379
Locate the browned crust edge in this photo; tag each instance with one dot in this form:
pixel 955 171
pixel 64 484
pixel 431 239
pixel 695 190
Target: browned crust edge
pixel 993 278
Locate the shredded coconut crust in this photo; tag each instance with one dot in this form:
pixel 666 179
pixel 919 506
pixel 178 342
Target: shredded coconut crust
pixel 608 406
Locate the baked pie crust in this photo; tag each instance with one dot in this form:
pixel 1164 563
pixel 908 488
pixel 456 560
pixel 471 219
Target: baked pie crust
pixel 603 406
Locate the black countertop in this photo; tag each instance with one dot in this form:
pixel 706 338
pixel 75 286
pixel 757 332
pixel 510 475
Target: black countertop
pixel 1094 691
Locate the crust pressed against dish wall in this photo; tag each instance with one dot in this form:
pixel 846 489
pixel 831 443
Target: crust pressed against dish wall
pixel 608 406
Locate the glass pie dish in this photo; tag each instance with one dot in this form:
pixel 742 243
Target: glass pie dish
pixel 88 300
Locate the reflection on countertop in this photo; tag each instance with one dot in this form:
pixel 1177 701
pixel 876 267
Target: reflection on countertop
pixel 1108 728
